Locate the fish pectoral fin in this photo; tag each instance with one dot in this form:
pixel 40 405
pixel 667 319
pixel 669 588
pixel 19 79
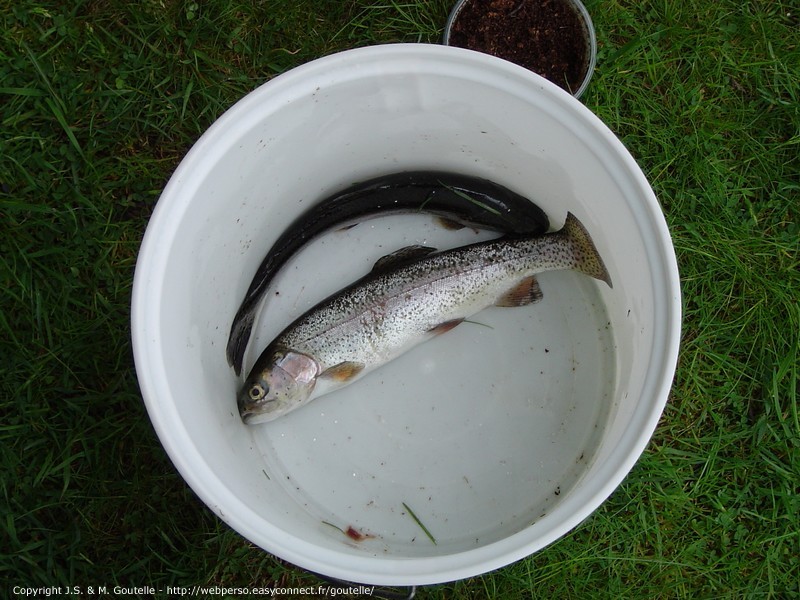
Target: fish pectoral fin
pixel 344 371
pixel 401 256
pixel 445 327
pixel 449 224
pixel 523 293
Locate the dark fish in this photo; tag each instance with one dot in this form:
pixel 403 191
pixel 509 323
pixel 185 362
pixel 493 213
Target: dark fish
pixel 460 200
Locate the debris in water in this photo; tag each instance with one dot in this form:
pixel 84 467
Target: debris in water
pixel 418 522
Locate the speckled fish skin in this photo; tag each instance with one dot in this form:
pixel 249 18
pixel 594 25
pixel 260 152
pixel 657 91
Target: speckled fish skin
pixel 387 313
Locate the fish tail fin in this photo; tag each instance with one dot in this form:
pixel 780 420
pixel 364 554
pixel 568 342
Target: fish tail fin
pixel 587 259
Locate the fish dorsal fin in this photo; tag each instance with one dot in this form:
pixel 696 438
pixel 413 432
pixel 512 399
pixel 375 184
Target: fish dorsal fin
pixel 344 371
pixel 525 292
pixel 400 257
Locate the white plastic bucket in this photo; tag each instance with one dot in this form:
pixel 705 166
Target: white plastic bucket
pixel 500 438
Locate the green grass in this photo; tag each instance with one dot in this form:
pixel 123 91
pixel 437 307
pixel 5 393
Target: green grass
pixel 100 100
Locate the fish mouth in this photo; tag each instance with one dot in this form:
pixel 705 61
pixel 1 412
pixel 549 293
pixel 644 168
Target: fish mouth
pixel 254 416
pixel 253 412
pixel 248 412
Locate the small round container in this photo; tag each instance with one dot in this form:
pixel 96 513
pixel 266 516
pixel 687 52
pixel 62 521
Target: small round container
pixel 499 436
pixel 580 12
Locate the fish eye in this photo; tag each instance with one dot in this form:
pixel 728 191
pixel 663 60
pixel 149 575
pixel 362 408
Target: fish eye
pixel 256 392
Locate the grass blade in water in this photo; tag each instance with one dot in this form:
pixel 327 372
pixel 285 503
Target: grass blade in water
pixel 418 522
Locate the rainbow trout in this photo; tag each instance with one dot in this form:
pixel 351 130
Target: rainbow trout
pixel 401 303
pixel 459 200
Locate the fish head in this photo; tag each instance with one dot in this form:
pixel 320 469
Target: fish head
pixel 280 382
